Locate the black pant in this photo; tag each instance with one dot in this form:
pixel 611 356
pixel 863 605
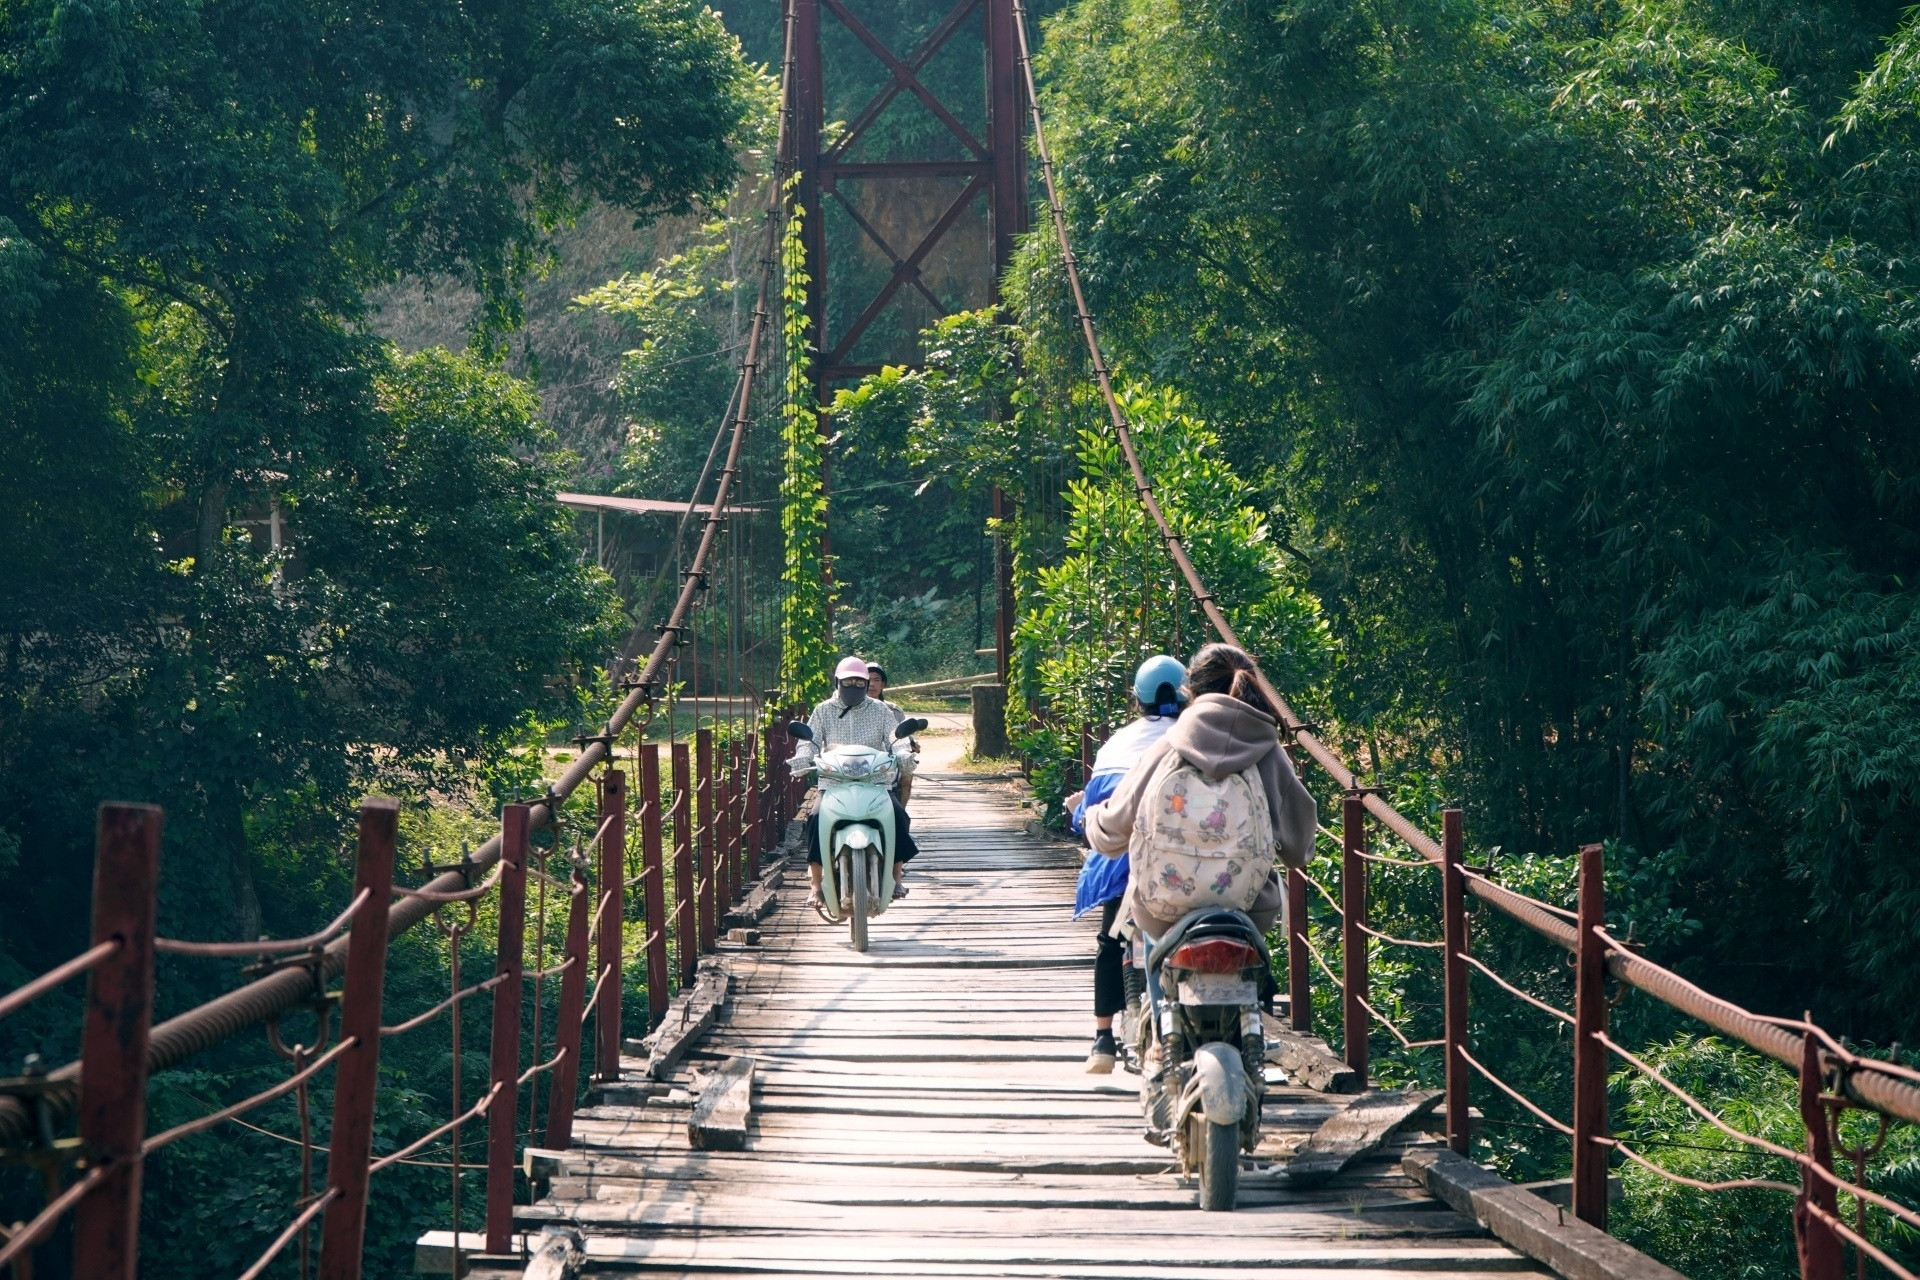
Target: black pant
pixel 1109 966
pixel 902 836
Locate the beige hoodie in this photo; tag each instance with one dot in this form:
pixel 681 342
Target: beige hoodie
pixel 1217 735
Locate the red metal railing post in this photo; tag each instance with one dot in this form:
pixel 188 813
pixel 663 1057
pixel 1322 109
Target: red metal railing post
pixel 356 1073
pixel 1589 1055
pixel 1453 911
pixel 724 784
pixel 685 914
pixel 1817 1242
pixel 567 1032
pixel 737 793
pixel 113 1040
pixel 653 879
pixel 508 1000
pixel 703 784
pixel 1299 975
pixel 612 939
pixel 756 810
pixel 1353 943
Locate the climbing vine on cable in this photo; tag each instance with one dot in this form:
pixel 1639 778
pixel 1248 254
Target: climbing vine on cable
pixel 806 647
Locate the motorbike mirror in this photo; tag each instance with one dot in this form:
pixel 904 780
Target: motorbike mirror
pixel 910 727
pixel 800 729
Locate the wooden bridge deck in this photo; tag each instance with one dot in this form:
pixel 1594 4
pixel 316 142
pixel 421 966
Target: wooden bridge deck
pixel 922 1111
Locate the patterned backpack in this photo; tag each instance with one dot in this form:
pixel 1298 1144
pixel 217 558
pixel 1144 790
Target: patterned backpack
pixel 1201 842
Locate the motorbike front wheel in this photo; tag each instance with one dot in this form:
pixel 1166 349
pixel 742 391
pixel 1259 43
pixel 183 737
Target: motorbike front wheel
pixel 856 873
pixel 1218 1149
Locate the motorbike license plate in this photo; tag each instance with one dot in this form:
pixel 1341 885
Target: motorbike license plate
pixel 1216 988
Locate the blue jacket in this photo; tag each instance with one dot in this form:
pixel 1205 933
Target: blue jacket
pixel 1104 879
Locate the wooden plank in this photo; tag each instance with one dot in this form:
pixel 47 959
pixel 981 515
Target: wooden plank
pixel 1308 1060
pixel 1357 1130
pixel 689 1018
pixel 719 1119
pixel 1540 1230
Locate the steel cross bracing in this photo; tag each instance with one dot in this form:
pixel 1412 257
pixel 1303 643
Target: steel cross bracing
pixel 994 165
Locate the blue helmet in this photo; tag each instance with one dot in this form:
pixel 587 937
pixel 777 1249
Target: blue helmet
pixel 1157 684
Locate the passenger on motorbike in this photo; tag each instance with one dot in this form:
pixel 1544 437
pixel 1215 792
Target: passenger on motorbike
pixel 877 690
pixel 1226 728
pixel 851 718
pixel 1159 695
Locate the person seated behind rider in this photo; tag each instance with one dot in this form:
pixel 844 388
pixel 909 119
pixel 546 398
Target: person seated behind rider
pixel 877 690
pixel 1227 728
pixel 851 719
pixel 1158 693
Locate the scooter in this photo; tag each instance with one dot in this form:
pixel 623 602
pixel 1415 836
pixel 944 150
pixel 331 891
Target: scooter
pixel 1202 1047
pixel 856 826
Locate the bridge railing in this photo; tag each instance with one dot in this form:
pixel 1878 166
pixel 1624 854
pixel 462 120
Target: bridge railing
pixel 727 803
pixel 1832 1077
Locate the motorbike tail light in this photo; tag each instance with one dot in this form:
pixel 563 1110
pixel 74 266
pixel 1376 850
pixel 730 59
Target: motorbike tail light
pixel 1214 955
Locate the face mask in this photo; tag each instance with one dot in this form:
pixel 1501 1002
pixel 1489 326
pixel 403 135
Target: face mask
pixel 852 695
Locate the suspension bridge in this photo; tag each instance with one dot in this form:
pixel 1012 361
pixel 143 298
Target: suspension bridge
pixel 796 1108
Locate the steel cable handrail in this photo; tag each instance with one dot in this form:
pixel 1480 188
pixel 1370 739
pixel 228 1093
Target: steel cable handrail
pixel 401 1028
pixel 285 1238
pixel 1512 990
pixel 471 1113
pixel 20 997
pixel 167 1138
pixel 443 896
pixel 264 946
pixel 29 1235
pixel 1511 1092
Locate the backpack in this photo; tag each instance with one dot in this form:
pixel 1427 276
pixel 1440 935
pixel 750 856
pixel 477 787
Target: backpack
pixel 1200 841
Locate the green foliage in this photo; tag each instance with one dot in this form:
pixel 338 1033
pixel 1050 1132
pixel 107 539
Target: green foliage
pixel 1536 330
pixel 258 562
pixel 806 648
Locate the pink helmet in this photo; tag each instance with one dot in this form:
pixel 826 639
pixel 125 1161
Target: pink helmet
pixel 850 669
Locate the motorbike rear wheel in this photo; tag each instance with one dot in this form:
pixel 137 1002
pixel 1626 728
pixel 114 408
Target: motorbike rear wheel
pixel 1217 1147
pixel 856 872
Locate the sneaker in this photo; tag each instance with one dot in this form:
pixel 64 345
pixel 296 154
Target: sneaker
pixel 1100 1061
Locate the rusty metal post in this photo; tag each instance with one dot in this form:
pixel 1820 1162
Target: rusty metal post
pixel 567 1032
pixel 703 784
pixel 756 811
pixel 685 916
pixel 356 1073
pixel 1817 1242
pixel 729 787
pixel 771 739
pixel 1589 1055
pixel 1453 913
pixel 1002 590
pixel 509 997
pixel 1353 943
pixel 610 950
pixel 653 881
pixel 1299 976
pixel 113 1040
